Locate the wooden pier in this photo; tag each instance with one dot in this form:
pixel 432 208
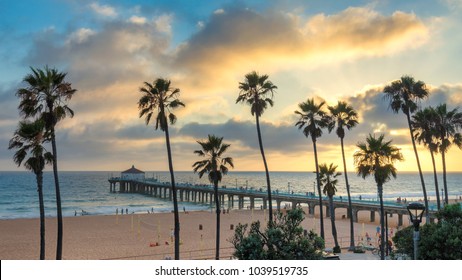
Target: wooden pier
pixel 239 197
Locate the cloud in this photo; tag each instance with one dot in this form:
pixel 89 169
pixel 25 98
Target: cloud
pixel 80 36
pixel 103 10
pixel 164 23
pixel 138 20
pixel 219 11
pixel 120 52
pixel 244 39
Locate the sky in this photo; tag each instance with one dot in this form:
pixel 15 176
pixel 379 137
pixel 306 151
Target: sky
pixel 327 50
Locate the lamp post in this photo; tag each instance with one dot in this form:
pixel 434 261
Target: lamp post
pixel 416 211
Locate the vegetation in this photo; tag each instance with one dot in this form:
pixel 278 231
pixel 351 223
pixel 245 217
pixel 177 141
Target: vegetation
pixel 438 241
pixel 28 141
pixel 257 91
pixel 328 175
pixel 45 98
pixel 312 120
pixel 404 95
pixel 376 157
pixel 344 116
pixel 216 166
pixel 283 240
pixel 160 98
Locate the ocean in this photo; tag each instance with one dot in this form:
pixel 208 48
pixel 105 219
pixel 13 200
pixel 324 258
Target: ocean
pixel 89 191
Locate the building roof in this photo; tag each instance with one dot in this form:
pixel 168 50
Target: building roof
pixel 133 170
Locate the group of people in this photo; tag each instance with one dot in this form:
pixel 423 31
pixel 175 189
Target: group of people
pixel 121 211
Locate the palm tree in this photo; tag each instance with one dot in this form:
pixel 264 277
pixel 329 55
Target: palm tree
pixel 258 91
pixel 46 97
pixel 424 126
pixel 376 157
pixel 404 94
pixel 160 98
pixel 215 165
pixel 328 175
pixel 28 140
pixel 312 120
pixel 344 116
pixel 448 124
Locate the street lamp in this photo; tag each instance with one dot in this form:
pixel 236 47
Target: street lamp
pixel 416 211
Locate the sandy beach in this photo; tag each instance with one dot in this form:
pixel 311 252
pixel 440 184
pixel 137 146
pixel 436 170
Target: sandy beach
pixel 134 236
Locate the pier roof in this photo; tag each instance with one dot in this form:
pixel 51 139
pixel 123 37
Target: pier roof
pixel 133 170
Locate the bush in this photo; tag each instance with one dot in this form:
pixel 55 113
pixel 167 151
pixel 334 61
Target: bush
pixel 337 250
pixel 283 239
pixel 440 241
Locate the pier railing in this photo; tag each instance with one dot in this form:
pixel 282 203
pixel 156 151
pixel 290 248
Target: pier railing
pixel 201 193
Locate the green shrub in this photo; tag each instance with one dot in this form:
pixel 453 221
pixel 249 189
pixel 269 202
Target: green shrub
pixel 337 250
pixel 440 241
pixel 281 240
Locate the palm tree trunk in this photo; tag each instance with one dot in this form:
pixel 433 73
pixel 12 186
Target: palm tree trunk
pixel 424 190
pixel 270 204
pixel 59 247
pixel 350 207
pixel 382 222
pixel 175 200
pixel 438 203
pixel 218 210
pixel 332 220
pixel 321 211
pixel 445 182
pixel 39 178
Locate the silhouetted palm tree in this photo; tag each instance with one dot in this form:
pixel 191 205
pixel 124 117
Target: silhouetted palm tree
pixel 257 91
pixel 46 97
pixel 215 165
pixel 425 131
pixel 28 141
pixel 448 124
pixel 344 116
pixel 376 158
pixel 327 176
pixel 159 99
pixel 403 95
pixel 312 120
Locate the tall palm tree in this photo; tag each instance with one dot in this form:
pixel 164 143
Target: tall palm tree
pixel 327 176
pixel 424 128
pixel 448 124
pixel 216 166
pixel 160 98
pixel 376 157
pixel 46 96
pixel 312 120
pixel 344 116
pixel 404 95
pixel 257 91
pixel 28 141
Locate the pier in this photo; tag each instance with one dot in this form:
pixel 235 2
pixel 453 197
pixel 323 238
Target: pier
pixel 236 197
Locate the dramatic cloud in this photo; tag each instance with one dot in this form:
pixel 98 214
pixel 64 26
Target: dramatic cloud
pixel 242 39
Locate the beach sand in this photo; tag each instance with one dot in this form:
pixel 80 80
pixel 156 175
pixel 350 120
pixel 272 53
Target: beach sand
pixel 134 236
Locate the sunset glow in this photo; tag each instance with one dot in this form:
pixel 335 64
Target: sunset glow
pixel 329 50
